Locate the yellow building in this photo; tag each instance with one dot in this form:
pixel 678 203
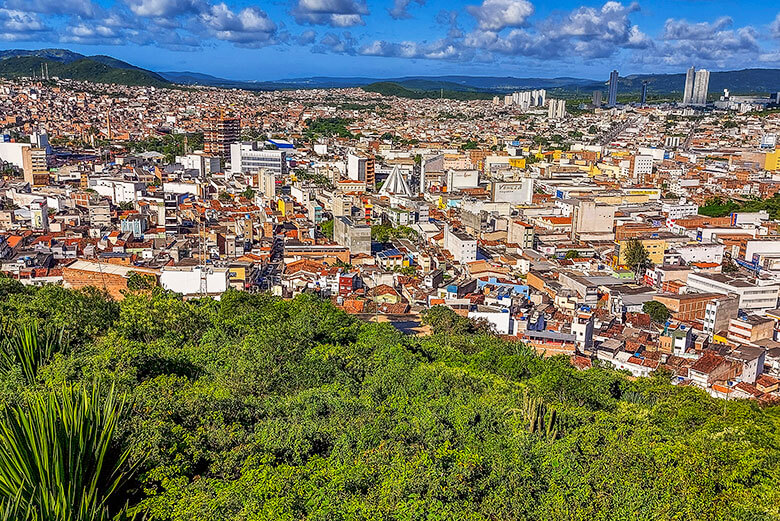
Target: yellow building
pixel 655 249
pixel 772 160
pixel 517 162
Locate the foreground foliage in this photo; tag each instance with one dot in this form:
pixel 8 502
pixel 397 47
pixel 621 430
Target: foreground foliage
pixel 57 457
pixel 255 408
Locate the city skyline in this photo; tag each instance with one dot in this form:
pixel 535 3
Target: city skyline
pixel 244 40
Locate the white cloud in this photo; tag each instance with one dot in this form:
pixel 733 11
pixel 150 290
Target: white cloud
pixel 705 43
pixel 164 8
pixel 250 26
pixel 19 25
pixel 400 9
pixel 336 13
pixel 494 15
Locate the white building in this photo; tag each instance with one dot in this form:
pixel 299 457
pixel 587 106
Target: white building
pixel 13 153
pixel 752 297
pixel 459 179
pixel 202 163
pixel 501 320
pixel 680 209
pixel 194 281
pixel 690 78
pixel 556 109
pixel 356 167
pixel 701 87
pixel 461 245
pixel 643 167
pixel 118 190
pixel 246 158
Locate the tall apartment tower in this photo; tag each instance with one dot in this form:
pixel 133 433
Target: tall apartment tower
pixel 556 108
pixel 643 97
pixel 613 87
pixel 597 98
pixel 36 170
pixel 689 81
pixel 701 86
pixel 219 133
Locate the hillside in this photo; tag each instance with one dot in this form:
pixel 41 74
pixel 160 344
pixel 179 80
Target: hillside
pixel 395 89
pixel 252 407
pixel 84 69
pixel 101 68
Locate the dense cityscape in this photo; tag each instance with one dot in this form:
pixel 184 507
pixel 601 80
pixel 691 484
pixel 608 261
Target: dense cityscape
pixel 636 238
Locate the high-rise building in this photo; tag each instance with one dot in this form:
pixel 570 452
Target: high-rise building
pixel 36 170
pixel 689 80
pixel 643 97
pixel 701 87
pixel 556 108
pixel 597 100
pixel 613 87
pixel 219 133
pixel 361 166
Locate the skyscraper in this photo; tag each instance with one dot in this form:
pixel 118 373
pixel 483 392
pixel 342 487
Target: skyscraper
pixel 613 86
pixel 597 98
pixel 556 108
pixel 700 87
pixel 643 97
pixel 689 80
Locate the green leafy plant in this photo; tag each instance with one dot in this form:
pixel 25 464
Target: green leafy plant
pixel 58 461
pixel 29 348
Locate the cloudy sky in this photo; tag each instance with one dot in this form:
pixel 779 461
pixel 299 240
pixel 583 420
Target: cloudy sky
pixel 383 38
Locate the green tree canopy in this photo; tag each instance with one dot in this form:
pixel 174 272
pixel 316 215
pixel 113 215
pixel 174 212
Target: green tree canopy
pixel 658 312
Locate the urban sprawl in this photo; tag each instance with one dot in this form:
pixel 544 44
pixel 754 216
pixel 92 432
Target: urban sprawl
pixel 639 235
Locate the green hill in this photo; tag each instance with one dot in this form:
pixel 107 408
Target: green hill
pixel 84 69
pixel 388 88
pixel 258 408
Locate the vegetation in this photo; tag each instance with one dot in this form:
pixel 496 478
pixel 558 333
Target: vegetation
pixel 658 312
pixel 253 408
pixel 58 460
pixel 171 145
pixel 317 179
pixel 388 88
pixel 636 256
pixel 326 227
pixel 85 69
pixel 327 127
pixel 717 207
pixel 387 232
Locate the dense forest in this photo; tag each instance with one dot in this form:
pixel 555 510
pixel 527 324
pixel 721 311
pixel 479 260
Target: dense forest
pixel 255 408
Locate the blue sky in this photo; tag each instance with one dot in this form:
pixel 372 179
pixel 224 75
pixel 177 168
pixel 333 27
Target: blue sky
pixel 242 39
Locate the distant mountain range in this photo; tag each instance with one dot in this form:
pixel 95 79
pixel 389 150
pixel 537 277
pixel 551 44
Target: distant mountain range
pixel 105 69
pixel 67 64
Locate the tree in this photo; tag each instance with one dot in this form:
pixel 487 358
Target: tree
pixel 572 254
pixel 249 193
pixel 326 227
pixel 443 319
pixel 225 197
pixel 636 257
pixel 658 312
